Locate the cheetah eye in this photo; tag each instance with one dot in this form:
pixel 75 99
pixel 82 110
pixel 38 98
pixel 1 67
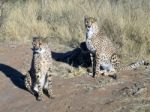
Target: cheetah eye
pixel 34 44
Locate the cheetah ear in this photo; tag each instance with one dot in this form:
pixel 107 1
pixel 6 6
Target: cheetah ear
pixel 46 39
pixel 34 38
pixel 85 17
pixel 94 19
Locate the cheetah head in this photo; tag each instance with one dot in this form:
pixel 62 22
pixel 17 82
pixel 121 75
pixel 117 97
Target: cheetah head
pixel 39 45
pixel 91 26
pixel 90 22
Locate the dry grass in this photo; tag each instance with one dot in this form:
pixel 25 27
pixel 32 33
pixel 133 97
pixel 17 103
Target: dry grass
pixel 127 22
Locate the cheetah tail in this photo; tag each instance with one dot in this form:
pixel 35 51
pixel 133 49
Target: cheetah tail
pixel 135 65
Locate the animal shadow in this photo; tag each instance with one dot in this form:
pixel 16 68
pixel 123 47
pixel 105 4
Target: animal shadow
pixel 77 57
pixel 14 75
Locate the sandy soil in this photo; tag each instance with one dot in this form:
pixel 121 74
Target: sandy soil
pixel 129 93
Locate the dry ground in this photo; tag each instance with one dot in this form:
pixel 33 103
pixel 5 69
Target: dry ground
pixel 129 93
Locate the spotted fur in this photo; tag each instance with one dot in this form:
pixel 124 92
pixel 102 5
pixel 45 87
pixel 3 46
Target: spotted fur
pixel 100 47
pixel 105 60
pixel 39 77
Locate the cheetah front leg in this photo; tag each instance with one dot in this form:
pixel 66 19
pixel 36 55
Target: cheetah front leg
pixel 48 84
pixel 93 59
pixel 93 63
pixel 38 87
pixel 28 82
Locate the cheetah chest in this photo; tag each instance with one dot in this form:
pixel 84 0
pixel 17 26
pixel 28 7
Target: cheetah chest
pixel 45 64
pixel 90 46
pixel 44 67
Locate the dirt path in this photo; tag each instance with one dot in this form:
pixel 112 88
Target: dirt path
pixel 130 92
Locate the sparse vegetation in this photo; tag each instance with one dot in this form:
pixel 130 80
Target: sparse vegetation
pixel 127 22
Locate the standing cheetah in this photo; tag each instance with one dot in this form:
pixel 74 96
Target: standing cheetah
pixel 40 75
pixel 104 56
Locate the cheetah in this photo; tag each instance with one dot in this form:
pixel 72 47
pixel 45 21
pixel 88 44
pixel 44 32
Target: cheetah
pixel 39 77
pixel 104 57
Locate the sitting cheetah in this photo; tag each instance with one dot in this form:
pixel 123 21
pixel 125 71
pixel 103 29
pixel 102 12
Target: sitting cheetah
pixel 105 60
pixel 40 75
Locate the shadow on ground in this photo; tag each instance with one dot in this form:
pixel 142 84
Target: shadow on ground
pixel 14 75
pixel 74 58
pixel 77 57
